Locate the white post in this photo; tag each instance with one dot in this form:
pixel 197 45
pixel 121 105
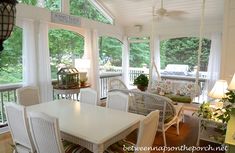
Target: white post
pixel 92 53
pixel 125 61
pixel 65 7
pixel 44 68
pixel 29 54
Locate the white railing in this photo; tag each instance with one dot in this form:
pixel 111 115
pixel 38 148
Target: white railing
pixel 104 79
pixel 134 72
pixel 7 94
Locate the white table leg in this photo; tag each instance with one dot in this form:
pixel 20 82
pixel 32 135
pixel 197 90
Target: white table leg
pixel 98 148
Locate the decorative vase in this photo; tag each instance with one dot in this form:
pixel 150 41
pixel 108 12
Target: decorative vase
pixel 142 88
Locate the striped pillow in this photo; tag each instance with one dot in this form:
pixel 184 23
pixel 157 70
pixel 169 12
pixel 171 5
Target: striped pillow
pixel 73 148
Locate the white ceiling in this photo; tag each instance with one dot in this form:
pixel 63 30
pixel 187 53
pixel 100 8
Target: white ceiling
pixel 139 12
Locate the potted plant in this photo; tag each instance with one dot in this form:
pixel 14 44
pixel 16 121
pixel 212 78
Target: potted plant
pixel 142 82
pixel 83 82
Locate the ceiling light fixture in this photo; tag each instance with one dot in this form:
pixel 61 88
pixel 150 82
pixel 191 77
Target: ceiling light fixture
pixel 7 19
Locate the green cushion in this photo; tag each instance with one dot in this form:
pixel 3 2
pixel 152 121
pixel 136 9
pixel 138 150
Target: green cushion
pixel 168 119
pixel 178 98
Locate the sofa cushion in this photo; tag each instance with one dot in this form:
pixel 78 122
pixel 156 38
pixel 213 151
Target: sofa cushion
pixel 179 98
pixel 162 87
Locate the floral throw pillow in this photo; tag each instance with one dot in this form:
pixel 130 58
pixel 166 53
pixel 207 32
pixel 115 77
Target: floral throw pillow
pixel 162 87
pixel 187 90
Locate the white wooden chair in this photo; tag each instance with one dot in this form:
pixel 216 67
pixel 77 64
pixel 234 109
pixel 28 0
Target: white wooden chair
pixel 28 95
pixel 116 83
pixel 117 100
pixel 46 135
pixel 89 96
pixel 144 103
pixel 146 135
pixel 19 128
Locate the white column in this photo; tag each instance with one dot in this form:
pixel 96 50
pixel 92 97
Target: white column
pixel 29 54
pixel 125 61
pixel 155 58
pixel 65 6
pixel 92 53
pixel 44 67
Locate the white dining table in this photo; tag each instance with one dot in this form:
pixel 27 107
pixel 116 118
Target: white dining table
pixel 93 127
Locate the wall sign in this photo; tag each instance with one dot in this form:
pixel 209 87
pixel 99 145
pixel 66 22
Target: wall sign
pixel 65 19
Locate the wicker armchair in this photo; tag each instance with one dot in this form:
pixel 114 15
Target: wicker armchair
pixel 116 83
pixel 144 103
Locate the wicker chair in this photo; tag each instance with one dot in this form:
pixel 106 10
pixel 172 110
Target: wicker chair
pixel 118 101
pixel 116 83
pixel 89 96
pixel 28 95
pixel 146 136
pixel 19 128
pixel 144 102
pixel 46 135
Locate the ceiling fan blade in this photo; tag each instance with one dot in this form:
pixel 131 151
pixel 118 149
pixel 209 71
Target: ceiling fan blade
pixel 175 13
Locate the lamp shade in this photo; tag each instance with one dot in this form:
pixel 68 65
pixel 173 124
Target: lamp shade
pixel 219 89
pixel 82 64
pixel 232 83
pixel 7 19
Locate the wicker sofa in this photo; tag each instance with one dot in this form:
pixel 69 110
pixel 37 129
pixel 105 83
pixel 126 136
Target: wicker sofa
pixel 177 91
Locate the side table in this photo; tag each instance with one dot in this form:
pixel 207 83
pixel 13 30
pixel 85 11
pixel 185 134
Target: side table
pixel 230 133
pixel 209 131
pixel 68 93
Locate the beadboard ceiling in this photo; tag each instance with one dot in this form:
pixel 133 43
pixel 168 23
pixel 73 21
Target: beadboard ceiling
pixel 139 12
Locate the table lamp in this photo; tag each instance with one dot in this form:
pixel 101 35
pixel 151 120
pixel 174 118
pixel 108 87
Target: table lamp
pixel 218 92
pixel 82 65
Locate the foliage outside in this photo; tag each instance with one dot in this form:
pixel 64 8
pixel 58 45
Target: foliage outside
pixel 11 58
pixel 184 51
pixel 85 9
pixel 64 45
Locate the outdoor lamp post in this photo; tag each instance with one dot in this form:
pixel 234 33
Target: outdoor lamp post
pixel 7 19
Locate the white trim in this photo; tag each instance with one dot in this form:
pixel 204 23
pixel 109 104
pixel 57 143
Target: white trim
pixel 4 130
pixel 102 10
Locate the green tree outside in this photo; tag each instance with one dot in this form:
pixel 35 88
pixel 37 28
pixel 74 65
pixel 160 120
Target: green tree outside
pixel 64 45
pixel 139 54
pixel 11 58
pixel 85 9
pixel 110 50
pixel 184 51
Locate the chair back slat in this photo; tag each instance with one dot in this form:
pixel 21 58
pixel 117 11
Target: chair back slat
pixel 147 130
pixel 116 83
pixel 18 124
pixel 117 100
pixel 28 95
pixel 89 96
pixel 45 133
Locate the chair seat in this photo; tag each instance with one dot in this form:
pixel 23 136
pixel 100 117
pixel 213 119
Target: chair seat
pixel 74 148
pixel 122 146
pixel 22 149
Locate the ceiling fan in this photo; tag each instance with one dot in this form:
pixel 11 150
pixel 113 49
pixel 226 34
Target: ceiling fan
pixel 162 12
